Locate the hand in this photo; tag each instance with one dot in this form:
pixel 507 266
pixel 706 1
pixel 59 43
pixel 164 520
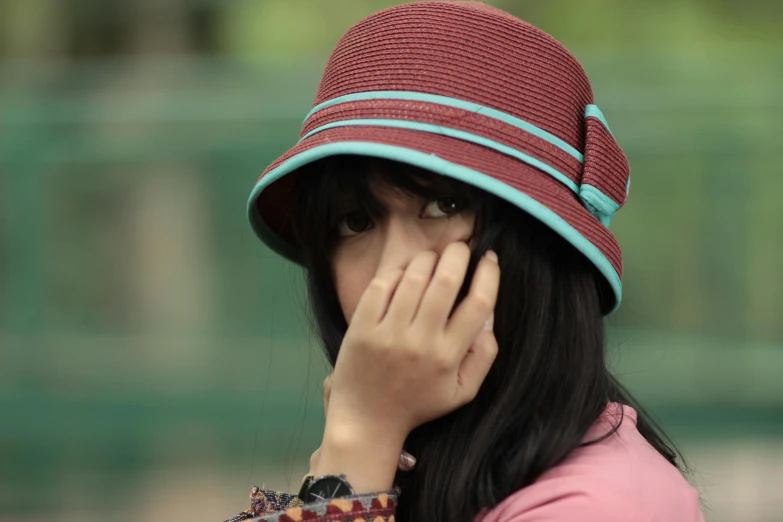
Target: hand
pixel 403 360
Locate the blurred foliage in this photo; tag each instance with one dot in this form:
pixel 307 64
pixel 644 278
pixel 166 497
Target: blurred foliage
pixel 143 326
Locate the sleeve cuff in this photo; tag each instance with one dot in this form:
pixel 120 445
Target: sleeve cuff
pixel 373 506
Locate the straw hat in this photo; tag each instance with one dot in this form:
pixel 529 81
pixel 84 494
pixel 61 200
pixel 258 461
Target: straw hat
pixel 467 91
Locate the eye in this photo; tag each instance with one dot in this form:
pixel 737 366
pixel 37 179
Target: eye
pixel 447 206
pixel 353 223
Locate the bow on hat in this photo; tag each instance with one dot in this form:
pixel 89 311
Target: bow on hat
pixel 606 175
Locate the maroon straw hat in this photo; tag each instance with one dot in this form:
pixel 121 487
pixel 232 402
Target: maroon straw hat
pixel 470 92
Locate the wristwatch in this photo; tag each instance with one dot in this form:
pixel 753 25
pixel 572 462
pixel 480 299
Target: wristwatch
pixel 324 488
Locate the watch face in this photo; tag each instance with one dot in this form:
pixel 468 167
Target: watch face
pixel 326 488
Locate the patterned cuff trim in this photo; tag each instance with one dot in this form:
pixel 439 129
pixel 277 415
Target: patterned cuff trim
pixel 374 506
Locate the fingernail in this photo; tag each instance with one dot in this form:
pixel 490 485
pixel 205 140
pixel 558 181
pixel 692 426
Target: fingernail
pixel 492 255
pixel 407 461
pixel 489 323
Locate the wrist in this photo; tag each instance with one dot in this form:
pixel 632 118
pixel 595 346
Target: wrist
pixel 367 457
pixel 345 432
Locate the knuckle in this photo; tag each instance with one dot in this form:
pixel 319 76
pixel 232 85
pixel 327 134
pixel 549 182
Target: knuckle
pixel 493 349
pixel 417 279
pixel 482 302
pixel 446 279
pixel 442 362
pixel 380 285
pixel 359 338
pixel 373 342
pixel 415 341
pixel 382 344
pixel 413 348
pixel 412 355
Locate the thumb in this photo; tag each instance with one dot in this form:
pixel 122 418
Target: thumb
pixel 313 462
pixel 477 362
pixel 327 391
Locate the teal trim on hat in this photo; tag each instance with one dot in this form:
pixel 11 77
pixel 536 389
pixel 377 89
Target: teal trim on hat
pixel 454 133
pixel 456 103
pixel 599 204
pixel 441 166
pixel 595 112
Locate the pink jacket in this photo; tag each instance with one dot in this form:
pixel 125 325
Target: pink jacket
pixel 620 479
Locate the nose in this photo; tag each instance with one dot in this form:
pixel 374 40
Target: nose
pixel 402 239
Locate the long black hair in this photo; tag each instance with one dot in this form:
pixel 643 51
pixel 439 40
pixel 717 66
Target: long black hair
pixel 550 380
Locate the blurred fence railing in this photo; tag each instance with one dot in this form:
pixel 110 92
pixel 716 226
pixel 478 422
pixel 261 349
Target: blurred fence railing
pixel 130 278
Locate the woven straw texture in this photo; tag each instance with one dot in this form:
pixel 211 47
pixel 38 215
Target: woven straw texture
pixel 479 54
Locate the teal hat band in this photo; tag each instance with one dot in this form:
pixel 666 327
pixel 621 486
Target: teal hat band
pixel 601 205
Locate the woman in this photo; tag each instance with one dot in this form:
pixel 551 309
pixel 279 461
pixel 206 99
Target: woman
pixel 450 201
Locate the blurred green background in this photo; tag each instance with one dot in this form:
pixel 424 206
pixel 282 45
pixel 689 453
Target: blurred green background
pixel 155 358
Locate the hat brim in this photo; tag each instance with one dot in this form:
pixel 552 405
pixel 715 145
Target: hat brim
pixel 523 185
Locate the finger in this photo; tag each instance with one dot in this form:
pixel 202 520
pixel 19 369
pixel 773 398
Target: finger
pixel 468 320
pixel 476 364
pixel 449 275
pixel 408 294
pixel 374 302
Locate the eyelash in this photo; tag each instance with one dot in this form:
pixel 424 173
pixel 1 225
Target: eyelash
pixel 459 204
